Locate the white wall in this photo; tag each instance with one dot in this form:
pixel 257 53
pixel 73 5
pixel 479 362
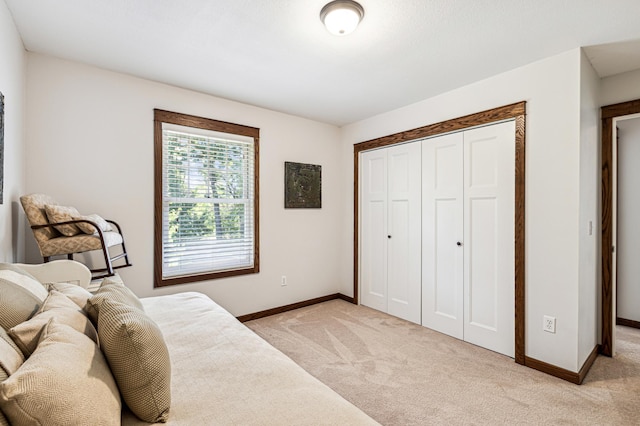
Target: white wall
pixel 628 242
pixel 12 86
pixel 552 90
pixel 589 220
pixel 620 88
pixel 90 145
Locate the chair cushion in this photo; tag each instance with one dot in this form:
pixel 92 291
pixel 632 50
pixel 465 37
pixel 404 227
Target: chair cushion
pixel 111 290
pixel 78 243
pixel 87 228
pixel 57 306
pixel 139 359
pixel 20 296
pixel 66 381
pixel 11 357
pixel 33 206
pixel 57 214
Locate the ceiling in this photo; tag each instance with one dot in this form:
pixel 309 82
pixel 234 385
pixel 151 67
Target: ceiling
pixel 276 54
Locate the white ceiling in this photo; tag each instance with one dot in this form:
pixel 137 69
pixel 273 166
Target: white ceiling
pixel 276 53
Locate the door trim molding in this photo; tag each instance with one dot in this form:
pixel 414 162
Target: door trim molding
pixel 515 111
pixel 608 114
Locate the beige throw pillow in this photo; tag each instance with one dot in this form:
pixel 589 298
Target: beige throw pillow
pixel 20 296
pixel 74 292
pixel 111 290
pixel 11 357
pixel 65 382
pixel 87 228
pixel 3 420
pixel 139 359
pixel 57 214
pixel 57 306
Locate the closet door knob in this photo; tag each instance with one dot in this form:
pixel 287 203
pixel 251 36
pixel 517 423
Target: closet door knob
pixel 389 236
pixel 458 243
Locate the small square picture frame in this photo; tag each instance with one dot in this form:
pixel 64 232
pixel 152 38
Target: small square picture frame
pixel 302 186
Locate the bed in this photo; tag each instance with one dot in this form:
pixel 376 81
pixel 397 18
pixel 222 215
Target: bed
pixel 221 372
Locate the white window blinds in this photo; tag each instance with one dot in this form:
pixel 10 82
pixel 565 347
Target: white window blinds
pixel 207 201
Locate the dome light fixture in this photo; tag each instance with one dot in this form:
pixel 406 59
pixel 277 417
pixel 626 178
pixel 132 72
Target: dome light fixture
pixel 341 17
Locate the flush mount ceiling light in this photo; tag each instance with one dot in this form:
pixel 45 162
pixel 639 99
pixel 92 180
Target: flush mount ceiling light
pixel 341 17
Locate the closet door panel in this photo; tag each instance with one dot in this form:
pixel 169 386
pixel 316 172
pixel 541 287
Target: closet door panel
pixel 373 230
pixel 399 254
pixel 482 274
pixel 404 238
pixel 489 196
pixel 442 258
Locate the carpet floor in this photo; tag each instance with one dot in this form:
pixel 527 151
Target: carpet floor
pixel 401 373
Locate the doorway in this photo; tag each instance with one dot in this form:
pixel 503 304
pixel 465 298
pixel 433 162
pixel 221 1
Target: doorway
pixel 626 231
pixel 610 115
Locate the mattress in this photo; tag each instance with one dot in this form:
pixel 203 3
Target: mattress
pixel 225 374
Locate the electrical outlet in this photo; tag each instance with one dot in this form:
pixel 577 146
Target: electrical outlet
pixel 283 281
pixel 549 324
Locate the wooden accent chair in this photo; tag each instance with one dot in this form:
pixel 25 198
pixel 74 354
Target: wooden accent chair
pixel 74 234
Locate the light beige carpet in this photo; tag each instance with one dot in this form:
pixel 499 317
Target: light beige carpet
pixel 400 373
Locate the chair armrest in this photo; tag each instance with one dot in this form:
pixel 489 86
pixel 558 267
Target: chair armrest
pixel 68 222
pixel 60 271
pixel 71 222
pixel 99 231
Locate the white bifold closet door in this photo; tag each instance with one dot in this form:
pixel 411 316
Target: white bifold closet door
pixel 442 234
pixel 390 222
pixel 468 196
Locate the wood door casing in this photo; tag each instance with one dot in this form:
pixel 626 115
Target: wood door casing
pixel 517 111
pixel 608 114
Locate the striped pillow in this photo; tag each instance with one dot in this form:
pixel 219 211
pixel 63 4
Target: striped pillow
pixel 139 359
pixel 111 290
pixel 20 296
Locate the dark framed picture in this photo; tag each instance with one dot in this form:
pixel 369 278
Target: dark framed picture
pixel 1 148
pixel 302 186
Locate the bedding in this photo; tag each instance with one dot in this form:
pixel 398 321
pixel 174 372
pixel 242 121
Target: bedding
pixel 223 373
pixel 190 361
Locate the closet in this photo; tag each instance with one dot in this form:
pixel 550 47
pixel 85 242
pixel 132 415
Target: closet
pixel 390 261
pixel 463 187
pixel 468 251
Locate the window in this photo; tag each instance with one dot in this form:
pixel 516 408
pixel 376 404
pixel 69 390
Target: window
pixel 206 199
